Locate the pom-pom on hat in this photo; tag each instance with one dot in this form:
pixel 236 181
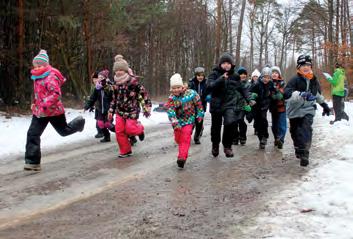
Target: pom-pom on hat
pixel 42 59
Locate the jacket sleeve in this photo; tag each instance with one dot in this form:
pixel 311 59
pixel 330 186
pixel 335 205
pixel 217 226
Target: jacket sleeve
pixel 290 88
pixel 171 112
pixel 337 77
pixel 198 106
pixel 113 101
pixel 92 99
pixel 145 98
pixel 214 82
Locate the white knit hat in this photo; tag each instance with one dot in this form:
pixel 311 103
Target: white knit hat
pixel 176 80
pixel 256 72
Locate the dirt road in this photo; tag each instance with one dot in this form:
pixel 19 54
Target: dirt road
pixel 85 191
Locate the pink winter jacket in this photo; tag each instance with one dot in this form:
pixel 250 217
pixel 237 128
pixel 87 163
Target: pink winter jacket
pixel 47 95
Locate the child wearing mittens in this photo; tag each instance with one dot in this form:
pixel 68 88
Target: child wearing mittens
pixel 184 108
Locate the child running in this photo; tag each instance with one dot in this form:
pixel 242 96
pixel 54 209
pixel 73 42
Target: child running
pixel 184 108
pixel 47 107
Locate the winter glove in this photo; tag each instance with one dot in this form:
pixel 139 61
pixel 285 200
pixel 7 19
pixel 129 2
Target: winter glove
pixel 199 119
pixel 247 108
pixel 327 75
pixel 99 86
pixel 326 109
pixel 253 96
pixel 91 109
pixel 147 114
pixel 307 96
pixel 208 98
pixel 277 96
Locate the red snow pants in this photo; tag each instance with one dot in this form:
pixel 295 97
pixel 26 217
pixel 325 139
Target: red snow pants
pixel 182 137
pixel 125 128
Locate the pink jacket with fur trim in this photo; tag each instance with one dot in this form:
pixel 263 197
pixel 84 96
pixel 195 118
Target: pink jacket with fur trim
pixel 47 95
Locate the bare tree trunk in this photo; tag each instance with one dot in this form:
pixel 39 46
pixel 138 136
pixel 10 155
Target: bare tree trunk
pixel 20 49
pixel 87 37
pixel 230 26
pixel 252 19
pixel 218 28
pixel 239 33
pixel 330 35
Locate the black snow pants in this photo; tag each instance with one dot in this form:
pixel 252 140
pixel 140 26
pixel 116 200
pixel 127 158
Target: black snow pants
pixel 338 107
pixel 37 127
pixel 302 133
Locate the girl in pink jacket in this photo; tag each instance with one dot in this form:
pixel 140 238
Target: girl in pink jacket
pixel 47 107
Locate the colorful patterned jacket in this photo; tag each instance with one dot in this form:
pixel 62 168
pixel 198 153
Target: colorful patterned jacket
pixel 128 99
pixel 47 92
pixel 184 109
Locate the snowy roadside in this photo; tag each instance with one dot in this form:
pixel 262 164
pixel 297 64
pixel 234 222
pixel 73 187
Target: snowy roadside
pixel 14 130
pixel 321 204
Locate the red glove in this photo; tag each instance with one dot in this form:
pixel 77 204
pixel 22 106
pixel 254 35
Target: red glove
pixel 199 120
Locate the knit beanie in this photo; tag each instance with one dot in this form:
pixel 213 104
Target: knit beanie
pixel 303 60
pixel 226 57
pixel 121 65
pixel 266 71
pixel 104 73
pixel 176 80
pixel 256 72
pixel 242 70
pixel 199 70
pixel 276 68
pixel 42 59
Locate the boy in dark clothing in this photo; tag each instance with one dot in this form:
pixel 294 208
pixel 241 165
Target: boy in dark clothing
pixel 262 92
pixel 302 92
pixel 198 84
pixel 226 103
pixel 102 94
pixel 240 126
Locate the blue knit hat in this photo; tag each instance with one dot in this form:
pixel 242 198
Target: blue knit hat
pixel 42 59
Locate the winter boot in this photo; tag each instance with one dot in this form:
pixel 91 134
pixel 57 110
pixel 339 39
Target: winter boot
pixel 105 139
pixel 228 152
pixel 32 167
pixel 276 142
pixel 263 143
pixel 280 144
pixel 78 123
pixel 128 154
pixel 304 161
pixel 236 141
pixel 99 135
pixel 181 163
pixel 215 150
pixel 142 136
pixel 242 142
pixel 132 140
pixel 197 140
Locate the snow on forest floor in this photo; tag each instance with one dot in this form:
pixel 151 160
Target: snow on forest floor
pixel 14 131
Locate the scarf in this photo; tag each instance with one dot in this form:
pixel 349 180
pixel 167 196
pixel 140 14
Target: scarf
pixel 308 76
pixel 40 73
pixel 119 80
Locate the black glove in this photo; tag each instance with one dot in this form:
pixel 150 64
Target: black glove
pixel 326 109
pixel 91 109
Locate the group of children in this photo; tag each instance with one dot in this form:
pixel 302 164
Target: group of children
pixel 231 95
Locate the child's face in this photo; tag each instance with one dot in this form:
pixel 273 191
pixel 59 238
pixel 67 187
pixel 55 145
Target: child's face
pixel 200 77
pixel 243 77
pixel 255 78
pixel 275 75
pixel 226 66
pixel 266 79
pixel 95 80
pixel 38 67
pixel 305 68
pixel 120 73
pixel 177 90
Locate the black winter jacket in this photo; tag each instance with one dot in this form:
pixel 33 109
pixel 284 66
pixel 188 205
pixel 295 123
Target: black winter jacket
pixel 103 97
pixel 200 88
pixel 264 94
pixel 226 94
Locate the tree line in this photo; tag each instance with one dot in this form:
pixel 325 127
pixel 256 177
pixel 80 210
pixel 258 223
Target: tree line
pixel 160 37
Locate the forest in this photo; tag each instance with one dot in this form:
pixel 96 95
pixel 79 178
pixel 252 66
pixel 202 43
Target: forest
pixel 160 37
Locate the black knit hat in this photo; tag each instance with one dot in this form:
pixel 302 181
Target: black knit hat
pixel 226 57
pixel 304 60
pixel 242 70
